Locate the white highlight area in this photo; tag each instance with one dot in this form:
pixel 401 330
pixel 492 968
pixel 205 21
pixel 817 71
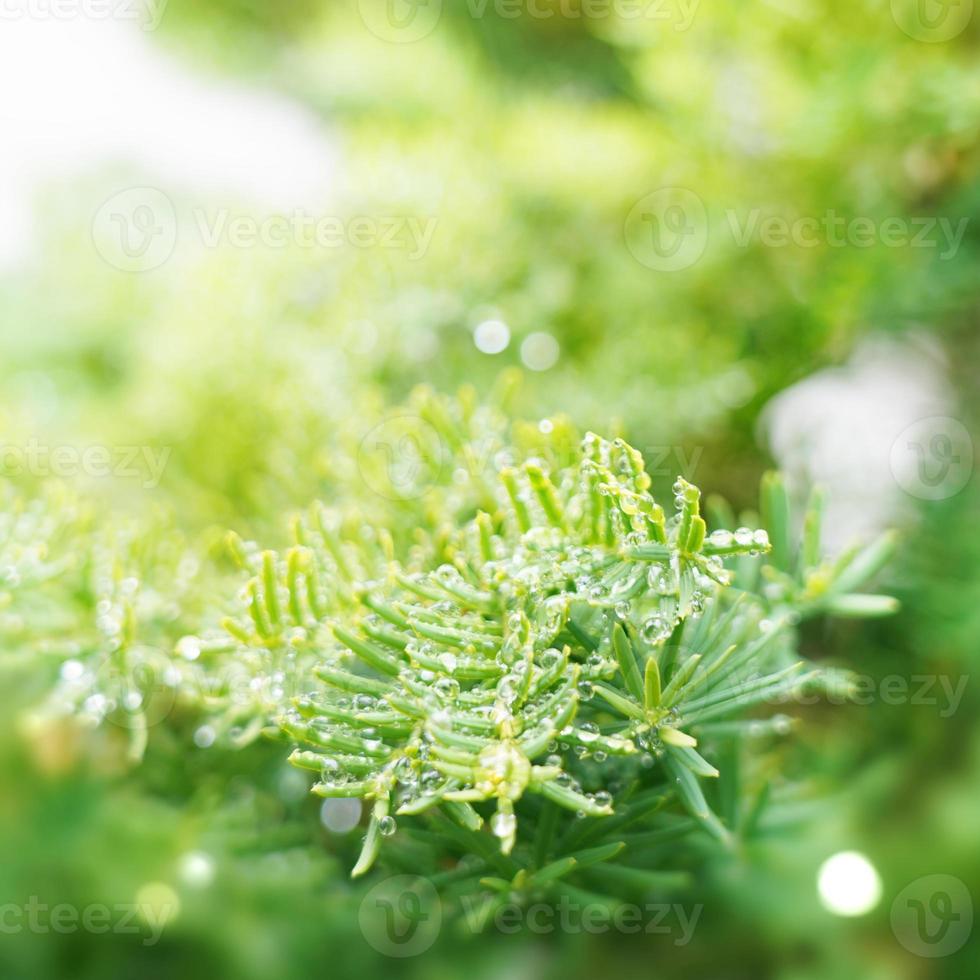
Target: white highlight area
pixel 492 336
pixel 843 428
pixel 848 884
pixel 86 94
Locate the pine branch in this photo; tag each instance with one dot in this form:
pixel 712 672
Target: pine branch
pixel 572 646
pixel 553 678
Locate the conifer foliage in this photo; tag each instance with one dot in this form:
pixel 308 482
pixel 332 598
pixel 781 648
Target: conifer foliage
pixel 533 674
pixel 570 662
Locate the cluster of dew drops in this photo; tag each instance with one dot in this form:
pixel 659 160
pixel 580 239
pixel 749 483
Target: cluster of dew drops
pixel 540 566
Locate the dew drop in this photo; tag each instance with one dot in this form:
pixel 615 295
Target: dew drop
pixel 503 824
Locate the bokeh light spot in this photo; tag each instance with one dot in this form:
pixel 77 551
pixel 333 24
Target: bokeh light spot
pixel 540 351
pixel 492 336
pixel 340 816
pixel 848 884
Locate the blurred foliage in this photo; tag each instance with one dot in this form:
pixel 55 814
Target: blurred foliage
pixel 263 371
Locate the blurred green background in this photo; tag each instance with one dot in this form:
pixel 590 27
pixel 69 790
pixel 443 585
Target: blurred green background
pixel 596 179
